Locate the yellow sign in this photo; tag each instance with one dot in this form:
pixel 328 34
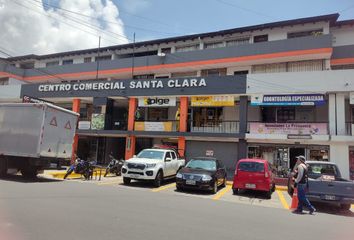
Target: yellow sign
pixel 213 101
pixel 153 126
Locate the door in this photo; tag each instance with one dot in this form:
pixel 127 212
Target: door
pixel 175 162
pixel 294 152
pixel 168 164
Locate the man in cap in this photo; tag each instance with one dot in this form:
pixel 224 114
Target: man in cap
pixel 301 184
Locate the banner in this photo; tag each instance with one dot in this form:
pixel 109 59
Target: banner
pixel 289 128
pixel 97 121
pixel 157 102
pixel 213 101
pixel 153 126
pixel 288 100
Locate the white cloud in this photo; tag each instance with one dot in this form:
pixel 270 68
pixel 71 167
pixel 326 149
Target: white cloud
pixel 34 29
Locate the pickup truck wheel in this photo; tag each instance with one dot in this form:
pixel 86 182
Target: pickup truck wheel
pixel 158 179
pixel 29 173
pixel 126 180
pixel 345 207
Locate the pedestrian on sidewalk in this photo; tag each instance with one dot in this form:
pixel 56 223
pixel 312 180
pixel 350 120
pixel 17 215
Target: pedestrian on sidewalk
pixel 301 183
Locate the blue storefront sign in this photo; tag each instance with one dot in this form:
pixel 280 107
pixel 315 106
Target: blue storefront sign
pixel 288 100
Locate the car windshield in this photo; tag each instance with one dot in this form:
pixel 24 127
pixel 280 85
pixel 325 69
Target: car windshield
pixel 315 170
pixel 202 164
pixel 151 154
pixel 251 167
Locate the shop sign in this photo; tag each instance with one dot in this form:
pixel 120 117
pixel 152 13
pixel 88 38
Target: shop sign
pixel 213 101
pixel 289 128
pixel 153 126
pixel 84 125
pixel 157 102
pixel 351 98
pixel 288 100
pixel 97 121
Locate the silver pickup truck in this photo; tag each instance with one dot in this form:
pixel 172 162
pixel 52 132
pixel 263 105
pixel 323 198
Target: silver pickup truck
pixel 326 185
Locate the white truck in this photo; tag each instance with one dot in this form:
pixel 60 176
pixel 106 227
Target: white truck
pixel 34 135
pixel 152 164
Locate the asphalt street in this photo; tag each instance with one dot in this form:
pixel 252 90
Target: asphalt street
pixel 56 210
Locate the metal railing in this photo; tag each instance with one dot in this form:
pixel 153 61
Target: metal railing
pixel 215 126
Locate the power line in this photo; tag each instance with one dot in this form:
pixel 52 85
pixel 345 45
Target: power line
pixel 102 20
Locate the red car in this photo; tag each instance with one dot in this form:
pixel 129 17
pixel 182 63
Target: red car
pixel 254 174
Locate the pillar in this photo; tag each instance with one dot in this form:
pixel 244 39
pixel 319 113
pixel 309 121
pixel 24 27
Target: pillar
pixel 181 146
pixel 75 108
pixel 131 140
pixel 130 147
pixel 336 114
pixel 332 113
pixel 183 114
pixel 339 154
pixel 243 115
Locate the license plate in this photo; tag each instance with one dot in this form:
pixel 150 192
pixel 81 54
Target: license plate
pixel 134 175
pixel 329 197
pixel 190 182
pixel 249 185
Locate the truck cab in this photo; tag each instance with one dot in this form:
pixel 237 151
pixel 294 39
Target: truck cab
pixel 154 164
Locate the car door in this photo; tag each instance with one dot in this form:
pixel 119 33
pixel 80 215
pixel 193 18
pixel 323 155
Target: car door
pixel 175 162
pixel 168 164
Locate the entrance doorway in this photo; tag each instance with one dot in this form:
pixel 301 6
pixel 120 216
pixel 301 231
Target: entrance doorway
pixel 294 152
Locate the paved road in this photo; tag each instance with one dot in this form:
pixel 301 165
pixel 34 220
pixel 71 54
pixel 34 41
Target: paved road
pixel 46 210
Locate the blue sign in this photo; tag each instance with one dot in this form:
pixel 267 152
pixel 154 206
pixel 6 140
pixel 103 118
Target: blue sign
pixel 288 100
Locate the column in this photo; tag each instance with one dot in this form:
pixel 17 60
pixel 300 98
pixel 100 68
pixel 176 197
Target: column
pixel 340 105
pixel 242 143
pixel 339 154
pixel 131 139
pixel 183 114
pixel 181 146
pixel 75 108
pixel 332 113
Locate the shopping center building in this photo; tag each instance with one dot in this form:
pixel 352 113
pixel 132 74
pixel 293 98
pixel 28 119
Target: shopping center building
pixel 273 91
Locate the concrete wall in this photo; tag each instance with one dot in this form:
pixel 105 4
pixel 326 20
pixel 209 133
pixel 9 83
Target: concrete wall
pixel 10 93
pixel 339 154
pixel 343 35
pixel 301 82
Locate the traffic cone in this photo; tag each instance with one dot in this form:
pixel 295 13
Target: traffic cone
pixel 294 200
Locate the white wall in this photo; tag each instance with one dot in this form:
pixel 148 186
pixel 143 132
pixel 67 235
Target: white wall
pixel 339 154
pixel 13 81
pixel 301 82
pixel 343 35
pixel 10 93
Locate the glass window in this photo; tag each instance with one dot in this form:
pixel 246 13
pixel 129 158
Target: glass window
pixel 237 42
pixel 214 45
pixel 52 63
pixel 202 164
pixel 315 170
pixel 87 59
pixel 151 154
pixel 68 61
pixel 173 155
pixel 144 76
pixel 103 58
pixel 187 48
pixel 168 155
pixel 184 74
pixel 260 38
pixel 315 32
pixel 251 167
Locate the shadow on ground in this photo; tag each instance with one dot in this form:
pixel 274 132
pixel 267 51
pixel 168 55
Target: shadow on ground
pixel 146 184
pixel 21 179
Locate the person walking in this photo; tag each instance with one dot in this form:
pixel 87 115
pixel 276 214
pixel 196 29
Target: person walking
pixel 301 182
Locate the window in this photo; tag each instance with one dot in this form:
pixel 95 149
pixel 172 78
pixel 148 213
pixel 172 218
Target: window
pixel 162 77
pixel 285 114
pixel 103 58
pixel 68 62
pixel 87 59
pixel 214 72
pixel 166 50
pixel 27 65
pixel 238 73
pixel 184 74
pixel 4 81
pixel 168 155
pixel 260 38
pixel 52 63
pixel 251 167
pixel 239 41
pixel 173 155
pixel 302 66
pixel 187 48
pixel 144 76
pixel 315 32
pixel 269 68
pixel 214 45
pixel 339 67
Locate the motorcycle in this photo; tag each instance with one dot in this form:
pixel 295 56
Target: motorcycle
pixel 114 166
pixel 82 167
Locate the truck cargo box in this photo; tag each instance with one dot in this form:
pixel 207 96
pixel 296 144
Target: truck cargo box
pixel 36 130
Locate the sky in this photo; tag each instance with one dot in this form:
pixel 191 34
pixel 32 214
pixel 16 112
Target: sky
pixel 49 26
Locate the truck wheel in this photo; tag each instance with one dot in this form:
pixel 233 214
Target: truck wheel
pixel 345 207
pixel 29 173
pixel 3 167
pixel 158 179
pixel 126 180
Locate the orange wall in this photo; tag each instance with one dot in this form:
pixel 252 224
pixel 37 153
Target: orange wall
pixel 75 108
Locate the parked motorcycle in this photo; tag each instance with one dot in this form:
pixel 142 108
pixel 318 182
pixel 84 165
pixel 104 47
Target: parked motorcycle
pixel 114 166
pixel 82 167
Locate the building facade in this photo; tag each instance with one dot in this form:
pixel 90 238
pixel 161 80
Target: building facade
pixel 273 91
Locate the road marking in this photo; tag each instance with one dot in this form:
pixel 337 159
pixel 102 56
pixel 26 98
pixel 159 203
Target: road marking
pixel 352 206
pixel 282 199
pixel 164 187
pixel 222 192
pixel 108 183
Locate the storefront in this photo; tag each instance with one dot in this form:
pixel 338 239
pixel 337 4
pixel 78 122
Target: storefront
pixel 283 157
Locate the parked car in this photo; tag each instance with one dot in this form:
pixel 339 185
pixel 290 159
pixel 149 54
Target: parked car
pixel 254 174
pixel 326 185
pixel 203 173
pixel 153 164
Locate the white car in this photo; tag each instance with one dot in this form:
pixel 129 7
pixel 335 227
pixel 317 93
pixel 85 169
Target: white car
pixel 152 164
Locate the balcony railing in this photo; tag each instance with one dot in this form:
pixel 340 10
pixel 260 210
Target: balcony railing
pixel 296 128
pixel 215 126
